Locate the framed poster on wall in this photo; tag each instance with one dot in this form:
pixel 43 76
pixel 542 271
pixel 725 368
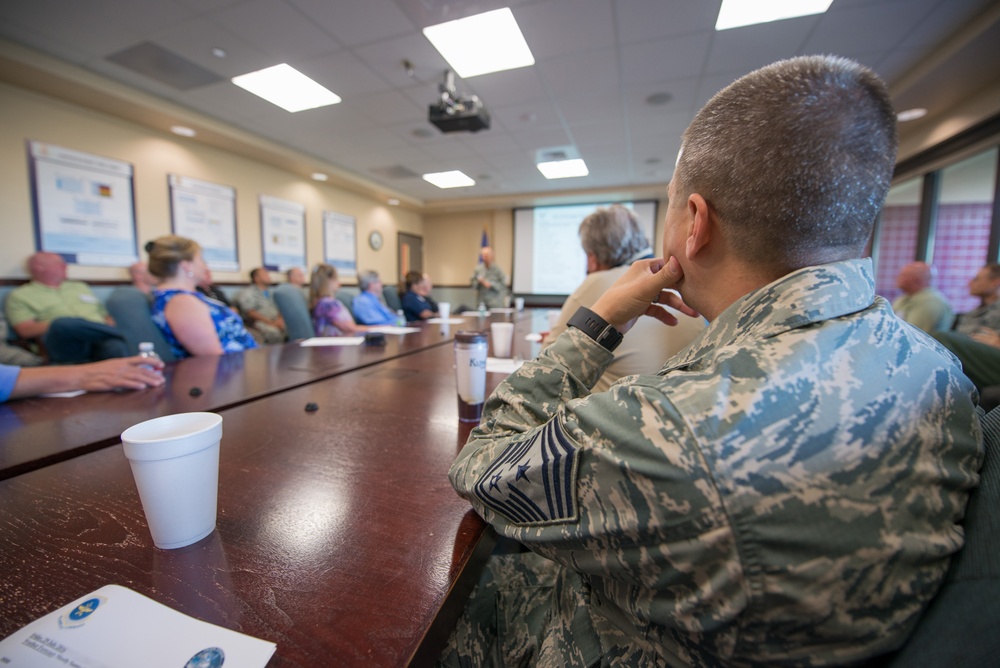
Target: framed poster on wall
pixel 206 212
pixel 84 206
pixel 283 233
pixel 340 248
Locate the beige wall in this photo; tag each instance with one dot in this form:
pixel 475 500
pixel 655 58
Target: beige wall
pixel 25 115
pixel 452 242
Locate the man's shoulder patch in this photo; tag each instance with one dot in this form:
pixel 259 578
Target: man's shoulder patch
pixel 533 481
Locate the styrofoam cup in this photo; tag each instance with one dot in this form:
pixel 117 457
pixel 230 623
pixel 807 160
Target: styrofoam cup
pixel 502 334
pixel 519 303
pixel 175 463
pixel 444 310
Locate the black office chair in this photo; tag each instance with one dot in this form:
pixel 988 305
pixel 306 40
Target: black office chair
pixel 960 626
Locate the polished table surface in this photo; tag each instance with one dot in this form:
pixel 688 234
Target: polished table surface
pixel 41 431
pixel 339 536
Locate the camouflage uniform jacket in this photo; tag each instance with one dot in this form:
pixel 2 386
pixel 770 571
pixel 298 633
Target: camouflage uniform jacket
pixel 785 491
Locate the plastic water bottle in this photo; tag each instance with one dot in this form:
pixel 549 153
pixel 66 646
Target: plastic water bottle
pixel 400 318
pixel 146 350
pixel 482 309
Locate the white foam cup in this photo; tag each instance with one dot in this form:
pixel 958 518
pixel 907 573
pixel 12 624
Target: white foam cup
pixel 444 310
pixel 519 303
pixel 175 463
pixel 502 334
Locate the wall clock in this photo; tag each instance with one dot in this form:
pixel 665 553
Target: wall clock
pixel 375 240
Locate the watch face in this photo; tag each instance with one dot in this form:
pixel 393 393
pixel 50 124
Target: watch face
pixel 375 240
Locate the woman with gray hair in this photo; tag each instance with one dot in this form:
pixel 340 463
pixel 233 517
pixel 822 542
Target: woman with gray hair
pixel 612 240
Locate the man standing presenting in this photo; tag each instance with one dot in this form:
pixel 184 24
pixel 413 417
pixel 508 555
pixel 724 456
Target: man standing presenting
pixel 259 310
pixel 489 281
pixel 765 497
pixel 921 305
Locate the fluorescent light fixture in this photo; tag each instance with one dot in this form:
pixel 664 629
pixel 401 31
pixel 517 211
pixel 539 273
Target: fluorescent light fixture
pixel 319 176
pixel 738 13
pixel 480 44
pixel 392 201
pixel 911 115
pixel 563 169
pixel 286 87
pixel 183 131
pixel 453 179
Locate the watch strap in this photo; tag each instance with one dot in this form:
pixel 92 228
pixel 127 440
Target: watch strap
pixel 596 328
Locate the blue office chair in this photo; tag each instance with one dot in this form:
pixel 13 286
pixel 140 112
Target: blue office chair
pixel 292 304
pixel 959 626
pixel 132 310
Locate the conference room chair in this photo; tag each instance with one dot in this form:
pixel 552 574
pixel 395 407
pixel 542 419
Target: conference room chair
pixel 392 297
pixel 132 312
pixel 294 309
pixel 959 627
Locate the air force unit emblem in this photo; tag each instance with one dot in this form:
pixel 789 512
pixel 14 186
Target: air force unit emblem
pixel 534 481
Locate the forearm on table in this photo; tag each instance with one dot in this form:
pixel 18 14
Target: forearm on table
pixel 30 329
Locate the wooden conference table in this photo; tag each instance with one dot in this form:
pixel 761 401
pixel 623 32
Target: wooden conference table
pixel 41 431
pixel 339 536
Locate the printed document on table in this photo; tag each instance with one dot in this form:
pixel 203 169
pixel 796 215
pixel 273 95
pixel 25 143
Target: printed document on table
pixel 442 321
pixel 333 341
pixel 115 627
pixel 393 329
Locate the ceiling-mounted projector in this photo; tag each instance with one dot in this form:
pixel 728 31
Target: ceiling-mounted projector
pixel 457 114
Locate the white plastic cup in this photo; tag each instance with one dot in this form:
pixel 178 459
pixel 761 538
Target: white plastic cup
pixel 175 463
pixel 502 334
pixel 444 310
pixel 519 303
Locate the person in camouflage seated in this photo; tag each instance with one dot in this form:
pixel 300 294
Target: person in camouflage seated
pixel 786 490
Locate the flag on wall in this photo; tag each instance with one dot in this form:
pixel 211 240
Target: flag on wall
pixel 483 244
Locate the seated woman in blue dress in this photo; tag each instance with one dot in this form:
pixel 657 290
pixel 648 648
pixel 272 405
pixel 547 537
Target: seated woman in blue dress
pixel 330 317
pixel 192 323
pixel 417 303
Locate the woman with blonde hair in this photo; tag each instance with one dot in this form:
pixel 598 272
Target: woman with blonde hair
pixel 330 317
pixel 192 323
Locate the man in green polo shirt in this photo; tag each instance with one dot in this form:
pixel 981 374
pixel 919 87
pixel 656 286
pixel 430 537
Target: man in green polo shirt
pixel 33 307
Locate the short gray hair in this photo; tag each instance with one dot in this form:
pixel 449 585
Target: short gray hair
pixel 612 235
pixel 366 279
pixel 795 158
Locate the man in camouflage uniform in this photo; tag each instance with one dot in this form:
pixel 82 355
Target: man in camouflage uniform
pixel 489 281
pixel 976 338
pixel 784 491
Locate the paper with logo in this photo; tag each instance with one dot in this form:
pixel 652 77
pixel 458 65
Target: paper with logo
pixel 115 627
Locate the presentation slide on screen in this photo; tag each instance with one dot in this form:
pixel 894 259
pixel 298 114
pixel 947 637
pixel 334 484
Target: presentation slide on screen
pixel 548 258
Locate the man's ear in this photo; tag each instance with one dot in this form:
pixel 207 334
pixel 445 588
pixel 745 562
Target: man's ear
pixel 700 226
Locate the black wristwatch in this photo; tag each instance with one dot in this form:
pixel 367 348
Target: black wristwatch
pixel 596 328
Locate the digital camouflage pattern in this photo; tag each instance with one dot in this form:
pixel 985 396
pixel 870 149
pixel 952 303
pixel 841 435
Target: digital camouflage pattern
pixel 982 317
pixel 784 492
pixel 494 296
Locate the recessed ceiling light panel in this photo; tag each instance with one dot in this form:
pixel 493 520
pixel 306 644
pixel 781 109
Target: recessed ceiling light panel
pixel 452 179
pixel 286 87
pixel 480 44
pixel 563 169
pixel 739 13
pixel 320 176
pixel 183 131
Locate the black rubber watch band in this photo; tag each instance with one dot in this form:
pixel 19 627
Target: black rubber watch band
pixel 596 328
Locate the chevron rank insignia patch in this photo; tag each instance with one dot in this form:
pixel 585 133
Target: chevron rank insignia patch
pixel 534 481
